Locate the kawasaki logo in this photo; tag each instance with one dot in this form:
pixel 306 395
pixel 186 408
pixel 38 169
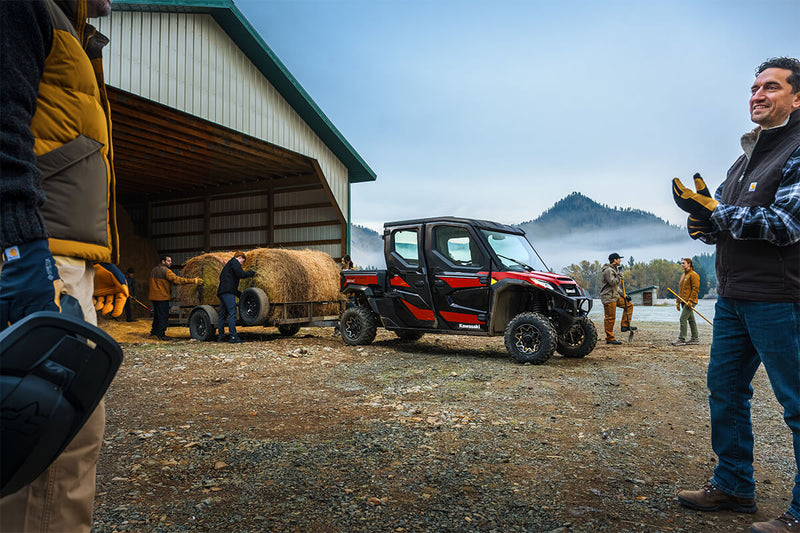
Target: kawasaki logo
pixel 469 326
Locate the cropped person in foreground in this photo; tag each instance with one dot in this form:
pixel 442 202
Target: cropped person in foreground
pixel 754 220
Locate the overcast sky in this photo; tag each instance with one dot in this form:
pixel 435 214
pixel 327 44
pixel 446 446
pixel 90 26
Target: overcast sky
pixel 499 109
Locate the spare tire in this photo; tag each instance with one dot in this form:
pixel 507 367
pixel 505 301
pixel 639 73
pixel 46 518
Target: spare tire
pixel 253 307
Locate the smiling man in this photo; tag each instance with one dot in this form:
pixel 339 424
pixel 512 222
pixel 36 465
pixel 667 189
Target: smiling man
pixel 754 220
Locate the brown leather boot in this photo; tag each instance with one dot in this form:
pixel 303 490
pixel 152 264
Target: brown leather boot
pixel 785 523
pixel 710 498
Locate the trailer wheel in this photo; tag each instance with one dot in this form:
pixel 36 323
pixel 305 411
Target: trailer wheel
pixel 253 307
pixel 203 323
pixel 287 330
pixel 408 335
pixel 358 325
pixel 579 340
pixel 530 338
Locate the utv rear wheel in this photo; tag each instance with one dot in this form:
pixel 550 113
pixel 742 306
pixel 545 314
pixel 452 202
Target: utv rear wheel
pixel 579 340
pixel 408 335
pixel 287 330
pixel 530 338
pixel 358 325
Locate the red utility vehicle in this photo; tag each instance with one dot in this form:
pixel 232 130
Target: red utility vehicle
pixel 451 275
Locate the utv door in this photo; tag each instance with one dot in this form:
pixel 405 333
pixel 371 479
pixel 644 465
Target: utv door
pixel 460 274
pixel 407 278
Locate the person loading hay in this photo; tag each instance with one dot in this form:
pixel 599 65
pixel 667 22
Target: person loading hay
pixel 227 292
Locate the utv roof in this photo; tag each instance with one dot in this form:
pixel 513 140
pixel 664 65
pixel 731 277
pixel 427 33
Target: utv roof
pixel 482 224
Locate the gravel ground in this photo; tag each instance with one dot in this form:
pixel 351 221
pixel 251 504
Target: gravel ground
pixel 307 434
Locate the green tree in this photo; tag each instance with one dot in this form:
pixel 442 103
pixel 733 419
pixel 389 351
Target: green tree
pixel 661 272
pixel 587 275
pixel 706 269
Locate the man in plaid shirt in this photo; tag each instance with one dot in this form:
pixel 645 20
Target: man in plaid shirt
pixel 754 220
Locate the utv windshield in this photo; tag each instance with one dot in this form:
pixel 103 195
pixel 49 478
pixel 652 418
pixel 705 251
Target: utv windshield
pixel 514 251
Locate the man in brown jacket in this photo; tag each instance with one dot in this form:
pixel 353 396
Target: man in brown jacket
pixel 688 287
pixel 161 281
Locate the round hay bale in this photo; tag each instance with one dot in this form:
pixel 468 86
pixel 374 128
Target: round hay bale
pixel 208 267
pixel 286 276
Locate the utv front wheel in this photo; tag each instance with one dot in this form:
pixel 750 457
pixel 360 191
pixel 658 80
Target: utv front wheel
pixel 358 325
pixel 530 338
pixel 579 340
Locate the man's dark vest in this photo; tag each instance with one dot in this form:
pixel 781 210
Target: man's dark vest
pixel 751 268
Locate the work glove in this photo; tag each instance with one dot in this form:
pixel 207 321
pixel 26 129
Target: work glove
pixel 699 204
pixel 697 227
pixel 110 289
pixel 198 281
pixel 678 305
pixel 29 282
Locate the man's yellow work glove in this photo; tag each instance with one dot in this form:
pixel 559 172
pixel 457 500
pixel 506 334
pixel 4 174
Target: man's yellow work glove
pixel 198 281
pixel 110 289
pixel 699 204
pixel 697 227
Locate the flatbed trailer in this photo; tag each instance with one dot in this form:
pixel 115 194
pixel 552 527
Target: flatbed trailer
pixel 254 310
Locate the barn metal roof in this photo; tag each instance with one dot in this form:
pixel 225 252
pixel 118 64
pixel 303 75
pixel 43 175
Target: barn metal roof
pixel 231 20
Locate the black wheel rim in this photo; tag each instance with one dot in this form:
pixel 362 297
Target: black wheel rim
pixel 574 336
pixel 527 339
pixel 250 307
pixel 352 328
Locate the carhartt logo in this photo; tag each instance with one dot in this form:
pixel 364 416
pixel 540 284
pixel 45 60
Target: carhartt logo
pixel 753 186
pixel 11 253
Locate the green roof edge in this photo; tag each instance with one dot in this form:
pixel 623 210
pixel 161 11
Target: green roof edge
pixel 230 19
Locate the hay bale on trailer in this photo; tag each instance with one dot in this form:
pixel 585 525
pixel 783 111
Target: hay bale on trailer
pixel 285 276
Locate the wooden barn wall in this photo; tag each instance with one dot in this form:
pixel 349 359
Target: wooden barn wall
pixel 188 62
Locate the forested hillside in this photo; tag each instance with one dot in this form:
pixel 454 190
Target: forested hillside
pixel 575 229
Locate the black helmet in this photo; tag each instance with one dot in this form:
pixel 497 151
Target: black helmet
pixel 51 380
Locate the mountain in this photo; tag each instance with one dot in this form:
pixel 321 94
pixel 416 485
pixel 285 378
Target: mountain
pixel 574 229
pixel 366 247
pixel 577 213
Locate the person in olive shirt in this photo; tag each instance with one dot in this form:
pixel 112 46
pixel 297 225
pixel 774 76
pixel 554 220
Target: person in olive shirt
pixel 227 292
pixel 688 288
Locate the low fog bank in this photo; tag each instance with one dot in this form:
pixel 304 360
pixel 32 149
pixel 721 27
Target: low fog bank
pixel 643 244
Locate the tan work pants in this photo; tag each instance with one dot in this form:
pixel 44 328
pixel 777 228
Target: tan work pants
pixel 610 310
pixel 61 499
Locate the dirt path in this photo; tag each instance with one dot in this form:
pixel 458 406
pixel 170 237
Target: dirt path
pixel 443 434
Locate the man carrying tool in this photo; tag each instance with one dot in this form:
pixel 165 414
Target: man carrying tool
pixel 57 217
pixel 754 220
pixel 162 278
pixel 688 288
pixel 611 296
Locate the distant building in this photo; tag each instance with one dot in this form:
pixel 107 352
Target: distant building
pixel 646 296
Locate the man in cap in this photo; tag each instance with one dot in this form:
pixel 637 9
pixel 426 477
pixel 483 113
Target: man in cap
pixel 611 296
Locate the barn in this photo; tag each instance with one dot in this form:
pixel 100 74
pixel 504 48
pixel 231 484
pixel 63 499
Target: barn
pixel 216 144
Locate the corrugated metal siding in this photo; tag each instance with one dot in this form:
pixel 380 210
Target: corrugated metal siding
pixel 242 221
pixel 188 62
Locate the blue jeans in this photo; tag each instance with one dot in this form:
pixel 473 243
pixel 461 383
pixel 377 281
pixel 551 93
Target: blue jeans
pixel 227 313
pixel 747 334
